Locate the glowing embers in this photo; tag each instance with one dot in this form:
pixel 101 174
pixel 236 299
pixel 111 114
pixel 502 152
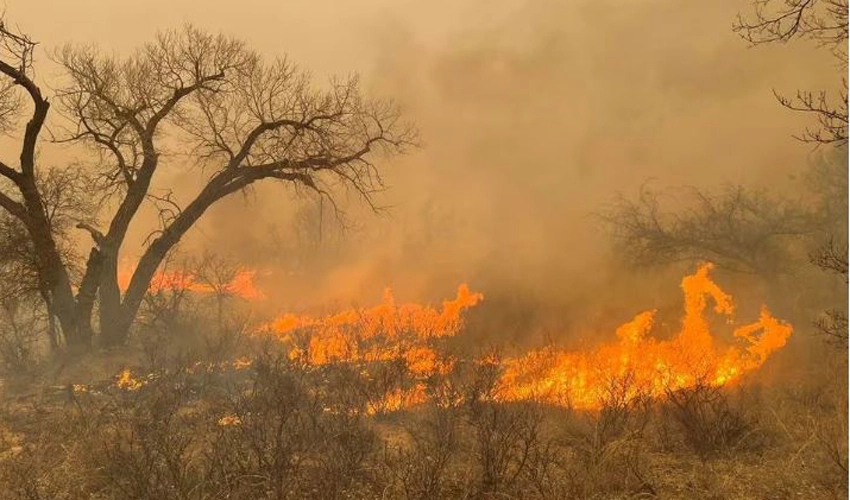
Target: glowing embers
pixel 644 365
pixel 126 381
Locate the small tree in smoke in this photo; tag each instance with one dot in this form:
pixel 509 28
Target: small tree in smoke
pixel 217 272
pixel 739 229
pixel 245 119
pixel 319 233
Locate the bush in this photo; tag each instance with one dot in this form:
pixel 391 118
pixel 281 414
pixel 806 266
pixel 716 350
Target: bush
pixel 707 421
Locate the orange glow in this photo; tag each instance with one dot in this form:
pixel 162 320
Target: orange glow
pixel 399 399
pixel 242 285
pixel 229 420
pixel 634 364
pixel 126 381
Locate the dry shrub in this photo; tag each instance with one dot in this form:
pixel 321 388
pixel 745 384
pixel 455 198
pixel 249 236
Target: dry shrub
pixel 45 457
pixel 426 465
pixel 811 415
pixel 504 435
pixel 146 446
pixel 22 336
pixel 707 420
pixel 286 442
pixel 281 430
pixel 607 445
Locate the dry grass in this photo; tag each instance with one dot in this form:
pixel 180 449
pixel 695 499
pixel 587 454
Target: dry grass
pixel 281 431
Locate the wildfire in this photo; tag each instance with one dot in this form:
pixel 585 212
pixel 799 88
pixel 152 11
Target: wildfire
pixel 407 336
pixel 635 364
pixel 229 421
pixel 126 381
pixel 639 365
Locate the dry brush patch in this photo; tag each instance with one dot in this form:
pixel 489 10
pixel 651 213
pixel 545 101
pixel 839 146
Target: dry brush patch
pixel 280 430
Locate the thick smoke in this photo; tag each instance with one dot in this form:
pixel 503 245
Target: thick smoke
pixel 533 115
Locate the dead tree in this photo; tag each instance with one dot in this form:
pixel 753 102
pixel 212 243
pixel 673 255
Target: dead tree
pixel 243 118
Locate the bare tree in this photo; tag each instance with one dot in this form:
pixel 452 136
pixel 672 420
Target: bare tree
pixel 739 229
pixel 832 258
pixel 244 119
pixel 60 189
pixel 825 23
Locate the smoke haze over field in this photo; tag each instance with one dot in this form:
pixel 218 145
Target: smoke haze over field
pixel 532 115
pixel 481 249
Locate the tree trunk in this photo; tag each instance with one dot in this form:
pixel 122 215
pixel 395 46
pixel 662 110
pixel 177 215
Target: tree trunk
pixel 116 322
pixel 52 334
pixel 54 281
pixel 113 325
pixel 75 328
pixel 117 316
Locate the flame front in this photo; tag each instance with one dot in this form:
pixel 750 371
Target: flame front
pixel 643 366
pixel 635 363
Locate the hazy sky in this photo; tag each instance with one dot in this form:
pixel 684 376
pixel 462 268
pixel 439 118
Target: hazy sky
pixel 533 114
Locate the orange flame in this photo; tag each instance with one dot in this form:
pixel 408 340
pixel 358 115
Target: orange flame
pixel 651 367
pixel 126 381
pixel 634 365
pixel 381 333
pixel 637 363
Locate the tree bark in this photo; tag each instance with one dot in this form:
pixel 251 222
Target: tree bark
pixel 53 275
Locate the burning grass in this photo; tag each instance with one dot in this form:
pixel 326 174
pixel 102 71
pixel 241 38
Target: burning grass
pixel 410 333
pixel 373 403
pixel 653 367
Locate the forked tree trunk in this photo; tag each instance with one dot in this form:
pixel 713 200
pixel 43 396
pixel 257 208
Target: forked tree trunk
pixel 117 314
pixel 115 323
